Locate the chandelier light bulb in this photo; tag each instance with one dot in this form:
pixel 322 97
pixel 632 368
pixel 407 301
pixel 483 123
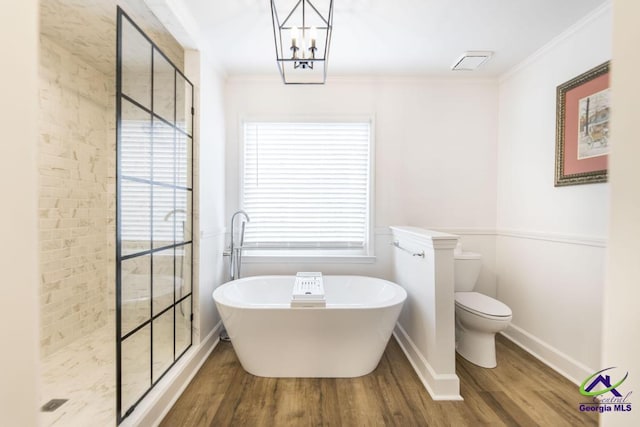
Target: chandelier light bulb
pixel 294 36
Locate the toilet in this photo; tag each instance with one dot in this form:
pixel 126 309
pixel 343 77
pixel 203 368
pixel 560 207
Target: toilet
pixel 478 316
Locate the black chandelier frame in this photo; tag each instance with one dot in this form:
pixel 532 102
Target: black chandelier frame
pixel 283 57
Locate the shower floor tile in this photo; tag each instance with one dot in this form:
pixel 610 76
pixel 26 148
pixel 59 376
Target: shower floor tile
pixel 84 373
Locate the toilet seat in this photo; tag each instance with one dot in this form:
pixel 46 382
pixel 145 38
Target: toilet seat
pixel 482 305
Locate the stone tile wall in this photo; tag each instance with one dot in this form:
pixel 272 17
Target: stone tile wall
pixel 75 200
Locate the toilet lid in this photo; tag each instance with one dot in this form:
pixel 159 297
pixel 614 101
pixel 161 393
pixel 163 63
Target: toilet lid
pixel 474 301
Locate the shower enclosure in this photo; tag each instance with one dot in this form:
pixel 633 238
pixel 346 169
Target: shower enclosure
pixel 154 128
pixel 81 166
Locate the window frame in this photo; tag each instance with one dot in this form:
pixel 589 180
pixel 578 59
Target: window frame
pixel 356 255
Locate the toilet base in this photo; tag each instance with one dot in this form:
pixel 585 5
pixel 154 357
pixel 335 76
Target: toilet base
pixel 478 348
pixel 476 335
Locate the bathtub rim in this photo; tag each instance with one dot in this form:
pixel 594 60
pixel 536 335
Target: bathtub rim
pixel 399 297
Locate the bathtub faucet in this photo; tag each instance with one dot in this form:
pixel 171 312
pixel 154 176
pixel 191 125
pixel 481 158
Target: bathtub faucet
pixel 235 251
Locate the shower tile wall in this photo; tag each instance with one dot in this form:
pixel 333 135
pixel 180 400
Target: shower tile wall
pixel 76 211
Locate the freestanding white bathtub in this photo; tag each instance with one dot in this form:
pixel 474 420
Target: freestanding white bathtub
pixel 344 339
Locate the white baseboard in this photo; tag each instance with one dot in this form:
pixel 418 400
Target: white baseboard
pixel 152 410
pixel 566 366
pixel 439 386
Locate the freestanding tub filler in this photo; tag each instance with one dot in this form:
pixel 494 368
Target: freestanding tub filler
pixel 344 339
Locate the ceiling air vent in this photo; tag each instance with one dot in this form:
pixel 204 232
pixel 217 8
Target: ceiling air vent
pixel 469 61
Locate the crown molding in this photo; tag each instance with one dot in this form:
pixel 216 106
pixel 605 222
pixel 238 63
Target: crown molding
pixel 595 14
pixel 365 79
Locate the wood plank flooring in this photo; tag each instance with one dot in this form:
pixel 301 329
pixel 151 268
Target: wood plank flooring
pixel 521 391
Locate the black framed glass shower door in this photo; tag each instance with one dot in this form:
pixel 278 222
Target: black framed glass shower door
pixel 154 214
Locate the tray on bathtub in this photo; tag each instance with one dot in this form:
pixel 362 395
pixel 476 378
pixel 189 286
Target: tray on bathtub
pixel 308 290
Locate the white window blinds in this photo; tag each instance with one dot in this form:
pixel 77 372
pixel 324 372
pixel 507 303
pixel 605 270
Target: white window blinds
pixel 306 185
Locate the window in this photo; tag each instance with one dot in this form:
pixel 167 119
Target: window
pixel 306 187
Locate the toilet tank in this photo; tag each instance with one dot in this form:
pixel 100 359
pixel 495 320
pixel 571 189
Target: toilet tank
pixel 466 268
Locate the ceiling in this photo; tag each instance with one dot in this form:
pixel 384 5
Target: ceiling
pixel 399 37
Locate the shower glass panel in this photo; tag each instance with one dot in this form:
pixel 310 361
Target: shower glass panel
pixel 135 366
pixel 183 105
pixel 164 92
pixel 135 141
pixel 183 159
pixel 164 153
pixel 164 216
pixel 135 63
pixel 183 272
pixel 135 216
pixel 163 280
pixel 154 215
pixel 135 290
pixel 183 325
pixel 162 344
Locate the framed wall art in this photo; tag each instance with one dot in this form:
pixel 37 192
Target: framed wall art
pixel 583 110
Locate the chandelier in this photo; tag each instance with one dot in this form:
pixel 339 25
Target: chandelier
pixel 302 39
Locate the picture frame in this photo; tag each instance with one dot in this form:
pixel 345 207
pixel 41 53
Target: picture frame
pixel 582 128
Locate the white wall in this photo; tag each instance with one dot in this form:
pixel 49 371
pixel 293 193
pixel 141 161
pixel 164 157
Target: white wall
pixel 433 139
pixel 621 335
pixel 209 181
pixel 551 241
pixel 19 226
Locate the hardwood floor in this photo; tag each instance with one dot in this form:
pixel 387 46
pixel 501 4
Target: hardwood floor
pixel 521 391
